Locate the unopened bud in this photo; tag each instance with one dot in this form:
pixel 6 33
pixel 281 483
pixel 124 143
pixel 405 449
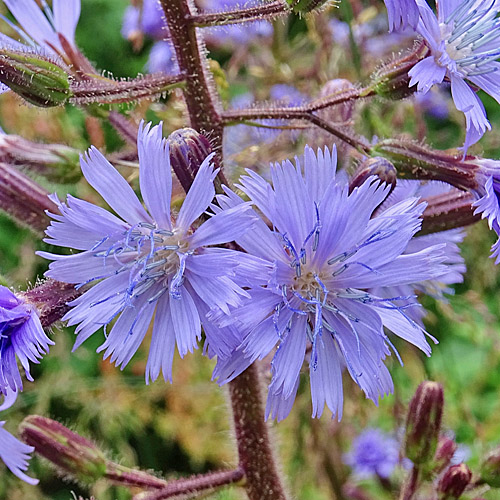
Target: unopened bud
pixel 490 469
pixel 453 482
pixel 305 6
pixel 71 453
pixel 188 149
pixel 392 80
pixel 23 199
pixel 424 422
pixel 379 167
pixel 446 448
pixel 37 79
pixel 51 298
pixel 56 162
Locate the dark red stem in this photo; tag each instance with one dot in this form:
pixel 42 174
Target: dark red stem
pixel 194 484
pixel 266 11
pixel 254 448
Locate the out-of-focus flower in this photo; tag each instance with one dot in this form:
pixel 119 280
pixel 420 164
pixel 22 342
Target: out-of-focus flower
pixel 236 34
pixel 434 103
pixel 21 337
pixel 373 453
pixel 43 28
pixel 402 13
pixel 13 452
pixel 326 252
pixel 463 39
pixel 148 19
pixel 145 263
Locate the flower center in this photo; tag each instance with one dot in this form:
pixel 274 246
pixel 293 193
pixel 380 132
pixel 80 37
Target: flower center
pixel 470 36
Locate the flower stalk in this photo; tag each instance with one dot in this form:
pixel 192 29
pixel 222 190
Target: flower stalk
pixel 254 449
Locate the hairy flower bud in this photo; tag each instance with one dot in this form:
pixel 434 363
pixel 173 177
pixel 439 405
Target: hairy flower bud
pixel 453 482
pixel 37 79
pixel 23 199
pixel 379 167
pixel 446 448
pixel 188 149
pixel 71 453
pixel 392 80
pixel 305 6
pixel 424 422
pixel 56 162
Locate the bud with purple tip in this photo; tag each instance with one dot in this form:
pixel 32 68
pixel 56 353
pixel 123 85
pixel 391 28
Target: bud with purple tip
pixel 68 451
pixel 424 422
pixel 188 149
pixel 446 448
pixel 453 482
pixel 378 167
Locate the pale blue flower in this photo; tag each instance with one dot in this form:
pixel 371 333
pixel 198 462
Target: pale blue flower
pixel 43 27
pixel 147 263
pixel 402 13
pixel 325 250
pixel 464 42
pixel 21 338
pixel 13 452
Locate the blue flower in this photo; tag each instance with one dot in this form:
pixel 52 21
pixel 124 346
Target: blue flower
pixel 149 19
pixel 373 453
pixel 21 337
pixel 325 252
pixel 464 43
pixel 13 452
pixel 402 13
pixel 43 28
pixel 147 264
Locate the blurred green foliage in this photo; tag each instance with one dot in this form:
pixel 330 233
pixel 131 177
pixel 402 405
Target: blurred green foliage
pixel 185 428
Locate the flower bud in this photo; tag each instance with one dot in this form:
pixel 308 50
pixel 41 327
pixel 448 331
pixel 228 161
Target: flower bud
pixel 71 453
pixel 424 422
pixel 23 199
pixel 446 448
pixel 453 482
pixel 56 162
pixel 37 79
pixel 379 167
pixel 305 6
pixel 490 469
pixel 392 80
pixel 188 149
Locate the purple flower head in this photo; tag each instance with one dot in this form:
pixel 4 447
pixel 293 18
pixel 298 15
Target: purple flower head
pixel 145 262
pixel 449 241
pixel 41 27
pixel 149 19
pixel 324 254
pixel 402 13
pixel 14 453
pixel 373 453
pixel 464 43
pixel 21 337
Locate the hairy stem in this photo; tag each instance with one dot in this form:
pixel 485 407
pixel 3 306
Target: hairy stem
pixel 192 485
pixel 295 113
pixel 267 11
pixel 411 485
pixel 202 101
pixel 254 448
